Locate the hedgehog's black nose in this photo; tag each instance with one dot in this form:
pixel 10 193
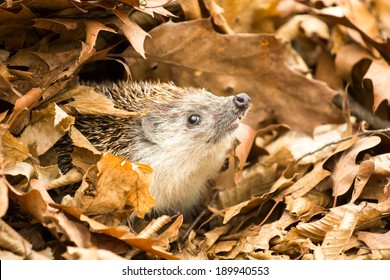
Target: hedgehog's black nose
pixel 242 101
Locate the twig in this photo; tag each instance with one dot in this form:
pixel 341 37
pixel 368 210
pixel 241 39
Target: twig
pixel 362 133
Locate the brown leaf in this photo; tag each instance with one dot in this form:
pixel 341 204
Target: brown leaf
pixel 83 96
pixel 20 174
pixel 317 230
pixel 169 235
pixel 135 34
pixel 378 243
pixel 23 105
pixel 128 237
pixel 242 208
pixel 84 154
pixel 222 247
pixel 366 168
pixel 13 242
pixel 248 16
pixel 155 6
pixel 212 236
pixel 269 231
pixel 3 195
pixel 13 148
pixel 369 68
pixel 346 169
pixel 294 247
pixel 14 26
pixel 254 180
pixel 302 205
pixel 383 48
pixel 305 184
pixel 36 203
pixel 47 126
pixel 93 28
pixel 115 184
pixel 335 240
pixel 217 16
pixel 191 9
pixel 74 253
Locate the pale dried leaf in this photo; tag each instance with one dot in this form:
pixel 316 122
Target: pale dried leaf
pixel 191 9
pixel 125 235
pixel 22 172
pixel 309 25
pixel 242 207
pixel 382 164
pixel 155 6
pixel 84 95
pixel 47 126
pixel 377 242
pixel 117 183
pixel 133 32
pixel 317 230
pixel 3 195
pixel 366 168
pixel 74 253
pixel 14 243
pixel 169 235
pixel 36 202
pixel 336 239
pixel 222 247
pixel 212 236
pixel 267 232
pixel 294 247
pixel 346 168
pixel 302 205
pixel 71 177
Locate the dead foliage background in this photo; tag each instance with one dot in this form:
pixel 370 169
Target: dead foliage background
pixel 316 181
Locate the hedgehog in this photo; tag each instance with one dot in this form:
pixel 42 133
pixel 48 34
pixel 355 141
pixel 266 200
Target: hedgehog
pixel 184 136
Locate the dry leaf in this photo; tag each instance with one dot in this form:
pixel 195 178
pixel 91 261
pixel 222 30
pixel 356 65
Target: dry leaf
pixel 131 30
pixel 115 184
pixel 47 126
pixel 169 235
pixel 191 9
pixel 336 239
pixel 82 96
pixel 212 236
pixel 347 168
pixel 317 230
pixel 378 243
pixel 36 202
pixel 14 149
pixel 302 205
pixel 20 174
pixel 366 168
pixel 74 253
pixel 10 240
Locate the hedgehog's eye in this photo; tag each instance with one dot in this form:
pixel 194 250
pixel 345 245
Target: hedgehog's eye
pixel 194 119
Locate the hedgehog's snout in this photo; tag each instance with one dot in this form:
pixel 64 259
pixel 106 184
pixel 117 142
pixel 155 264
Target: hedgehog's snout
pixel 242 101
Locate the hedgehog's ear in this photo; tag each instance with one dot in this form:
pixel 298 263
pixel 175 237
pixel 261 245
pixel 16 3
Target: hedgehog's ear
pixel 150 126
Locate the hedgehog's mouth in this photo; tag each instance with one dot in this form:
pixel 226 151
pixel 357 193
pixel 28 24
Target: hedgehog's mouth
pixel 236 123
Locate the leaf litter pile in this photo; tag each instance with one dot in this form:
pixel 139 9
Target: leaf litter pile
pixel 309 180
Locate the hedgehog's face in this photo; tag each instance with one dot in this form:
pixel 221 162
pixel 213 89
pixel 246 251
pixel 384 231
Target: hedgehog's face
pixel 197 117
